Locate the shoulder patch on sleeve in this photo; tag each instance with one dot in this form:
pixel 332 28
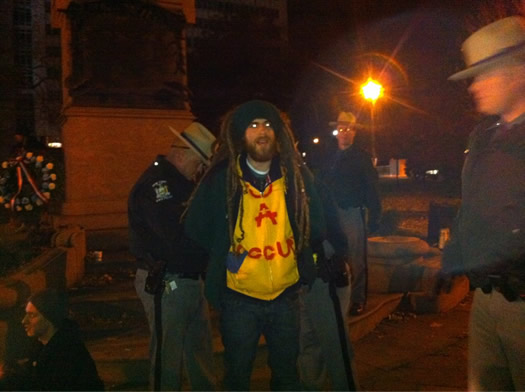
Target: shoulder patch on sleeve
pixel 161 190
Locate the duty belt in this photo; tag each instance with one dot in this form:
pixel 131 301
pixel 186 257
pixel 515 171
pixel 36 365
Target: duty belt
pixel 188 275
pixel 501 285
pixel 170 285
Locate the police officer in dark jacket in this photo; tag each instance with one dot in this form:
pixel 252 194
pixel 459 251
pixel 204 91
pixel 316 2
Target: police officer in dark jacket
pixel 488 243
pixel 353 181
pixel 169 279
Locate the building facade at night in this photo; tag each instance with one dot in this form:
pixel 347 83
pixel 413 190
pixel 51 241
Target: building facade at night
pixel 30 56
pixel 215 16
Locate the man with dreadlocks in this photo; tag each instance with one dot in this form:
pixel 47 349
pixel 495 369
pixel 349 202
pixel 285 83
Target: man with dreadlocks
pixel 256 212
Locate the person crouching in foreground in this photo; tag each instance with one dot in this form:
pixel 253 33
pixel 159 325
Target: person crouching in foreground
pixel 61 362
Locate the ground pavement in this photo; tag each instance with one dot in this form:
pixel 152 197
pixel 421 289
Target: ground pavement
pixel 403 352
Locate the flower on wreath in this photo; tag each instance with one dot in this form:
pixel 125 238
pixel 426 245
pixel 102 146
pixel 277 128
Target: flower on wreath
pixel 27 182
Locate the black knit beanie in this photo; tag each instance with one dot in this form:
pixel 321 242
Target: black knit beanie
pixel 52 304
pixel 244 114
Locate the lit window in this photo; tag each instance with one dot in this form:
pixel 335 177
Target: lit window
pixel 54 145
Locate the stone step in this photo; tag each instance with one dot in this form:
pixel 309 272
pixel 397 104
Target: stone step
pixel 116 332
pixel 378 307
pixel 98 262
pixel 117 335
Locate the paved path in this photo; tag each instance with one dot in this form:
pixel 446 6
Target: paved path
pixel 404 352
pixel 416 353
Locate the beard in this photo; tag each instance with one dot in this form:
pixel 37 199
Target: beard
pixel 261 153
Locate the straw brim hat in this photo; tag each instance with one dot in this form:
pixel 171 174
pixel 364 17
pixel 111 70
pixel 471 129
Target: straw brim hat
pixel 347 118
pixel 497 44
pixel 198 138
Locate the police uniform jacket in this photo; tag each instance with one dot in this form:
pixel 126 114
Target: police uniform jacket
pixel 155 206
pixel 353 181
pixel 489 236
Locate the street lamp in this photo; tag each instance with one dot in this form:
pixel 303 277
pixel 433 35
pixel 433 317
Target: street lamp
pixel 372 90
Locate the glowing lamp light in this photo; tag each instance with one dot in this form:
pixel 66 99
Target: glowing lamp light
pixel 316 140
pixel 371 90
pixel 54 145
pixel 335 132
pixel 303 154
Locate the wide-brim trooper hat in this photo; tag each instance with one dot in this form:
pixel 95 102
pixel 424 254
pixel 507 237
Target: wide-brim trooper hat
pixel 198 138
pixel 346 118
pixel 497 44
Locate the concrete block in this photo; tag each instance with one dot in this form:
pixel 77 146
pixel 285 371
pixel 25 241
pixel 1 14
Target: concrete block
pixel 427 302
pixel 413 273
pixel 397 246
pixel 46 270
pixel 73 240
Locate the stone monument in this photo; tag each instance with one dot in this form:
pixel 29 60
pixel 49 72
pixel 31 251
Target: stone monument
pixel 124 82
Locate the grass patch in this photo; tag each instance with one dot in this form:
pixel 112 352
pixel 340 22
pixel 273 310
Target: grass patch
pixel 406 204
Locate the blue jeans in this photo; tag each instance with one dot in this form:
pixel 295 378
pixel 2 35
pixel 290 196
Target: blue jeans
pixel 243 321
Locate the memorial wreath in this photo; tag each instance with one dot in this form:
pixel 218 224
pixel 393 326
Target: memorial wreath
pixel 27 182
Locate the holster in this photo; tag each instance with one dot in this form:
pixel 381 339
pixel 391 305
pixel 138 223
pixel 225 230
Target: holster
pixel 510 287
pixel 333 270
pixel 506 277
pixel 155 279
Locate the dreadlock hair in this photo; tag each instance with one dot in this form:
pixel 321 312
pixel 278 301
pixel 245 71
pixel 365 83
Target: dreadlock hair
pixel 231 145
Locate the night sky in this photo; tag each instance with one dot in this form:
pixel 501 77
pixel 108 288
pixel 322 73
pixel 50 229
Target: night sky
pixel 411 46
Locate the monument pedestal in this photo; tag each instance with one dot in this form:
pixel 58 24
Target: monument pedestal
pixel 124 82
pixel 105 151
